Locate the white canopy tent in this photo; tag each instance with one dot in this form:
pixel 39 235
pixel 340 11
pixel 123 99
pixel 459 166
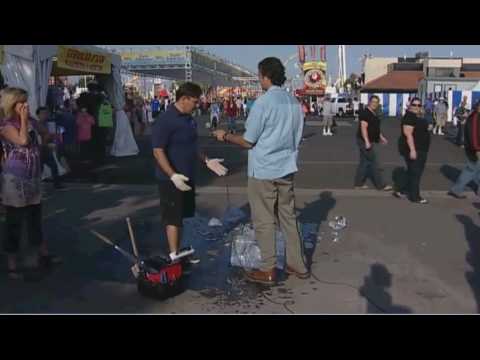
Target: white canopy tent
pixel 30 66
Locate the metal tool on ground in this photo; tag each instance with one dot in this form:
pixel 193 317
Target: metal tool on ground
pixel 135 268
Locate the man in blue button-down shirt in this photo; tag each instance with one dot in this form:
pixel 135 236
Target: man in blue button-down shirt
pixel 273 133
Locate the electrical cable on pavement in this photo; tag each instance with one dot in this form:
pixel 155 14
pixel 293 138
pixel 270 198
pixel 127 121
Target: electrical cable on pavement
pixel 284 304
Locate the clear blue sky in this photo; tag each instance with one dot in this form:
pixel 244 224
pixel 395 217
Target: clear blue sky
pixel 250 55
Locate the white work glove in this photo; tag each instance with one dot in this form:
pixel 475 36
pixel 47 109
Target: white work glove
pixel 216 166
pixel 179 181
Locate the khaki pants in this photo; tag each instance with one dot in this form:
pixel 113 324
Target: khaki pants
pixel 441 119
pixel 272 201
pixel 327 120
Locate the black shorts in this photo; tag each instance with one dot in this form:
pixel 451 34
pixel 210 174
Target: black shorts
pixel 175 205
pixel 214 122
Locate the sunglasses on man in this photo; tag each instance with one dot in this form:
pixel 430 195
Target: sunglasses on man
pixel 417 105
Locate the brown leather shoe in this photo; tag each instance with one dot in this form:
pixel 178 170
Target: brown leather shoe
pixel 301 275
pixel 263 277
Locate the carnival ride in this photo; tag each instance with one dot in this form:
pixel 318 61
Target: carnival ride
pixel 312 63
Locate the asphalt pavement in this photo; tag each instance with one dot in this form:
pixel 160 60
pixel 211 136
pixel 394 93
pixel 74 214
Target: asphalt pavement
pixel 393 256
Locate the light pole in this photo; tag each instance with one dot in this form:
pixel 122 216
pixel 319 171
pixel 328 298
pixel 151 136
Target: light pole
pixel 289 59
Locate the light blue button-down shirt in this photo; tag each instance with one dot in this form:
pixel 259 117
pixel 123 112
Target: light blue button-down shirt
pixel 275 127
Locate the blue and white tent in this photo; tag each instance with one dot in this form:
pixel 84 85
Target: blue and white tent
pixel 455 98
pixel 393 104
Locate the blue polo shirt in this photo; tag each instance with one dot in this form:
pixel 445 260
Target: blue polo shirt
pixel 176 134
pixel 155 105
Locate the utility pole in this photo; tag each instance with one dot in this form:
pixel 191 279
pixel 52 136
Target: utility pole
pixel 188 63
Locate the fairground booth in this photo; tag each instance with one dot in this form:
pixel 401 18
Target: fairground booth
pixel 30 67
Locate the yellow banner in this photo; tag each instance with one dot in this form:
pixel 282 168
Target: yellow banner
pixel 2 54
pixel 152 54
pixel 317 65
pixel 83 60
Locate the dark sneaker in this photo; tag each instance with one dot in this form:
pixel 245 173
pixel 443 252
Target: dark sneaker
pixel 362 187
pixel 421 201
pixel 456 196
pixel 49 261
pixel 188 262
pixel 399 195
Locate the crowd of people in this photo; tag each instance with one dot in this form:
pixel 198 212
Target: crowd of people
pixel 436 113
pixel 273 133
pixel 273 121
pixel 140 111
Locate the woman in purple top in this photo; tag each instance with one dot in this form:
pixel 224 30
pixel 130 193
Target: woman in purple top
pixel 21 179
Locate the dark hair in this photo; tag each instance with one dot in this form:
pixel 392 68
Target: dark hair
pixel 40 109
pixel 189 89
pixel 415 99
pixel 374 97
pixel 273 69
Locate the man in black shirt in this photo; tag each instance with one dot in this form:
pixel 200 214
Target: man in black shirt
pixel 368 135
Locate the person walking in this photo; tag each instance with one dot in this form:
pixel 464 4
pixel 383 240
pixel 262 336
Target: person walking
pixel 238 104
pixel 85 122
pixel 231 113
pixel 428 107
pixel 413 145
pixel 471 171
pixel 21 181
pixel 440 113
pixel 368 135
pixel 461 113
pixel 327 117
pixel 48 146
pixel 273 134
pixel 214 115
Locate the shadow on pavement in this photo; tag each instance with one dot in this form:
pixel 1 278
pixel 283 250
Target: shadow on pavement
pixel 309 135
pixel 316 212
pixel 472 236
pixel 375 291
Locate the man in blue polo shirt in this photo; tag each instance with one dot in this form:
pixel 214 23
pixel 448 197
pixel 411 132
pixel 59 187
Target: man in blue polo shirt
pixel 175 148
pixel 273 133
